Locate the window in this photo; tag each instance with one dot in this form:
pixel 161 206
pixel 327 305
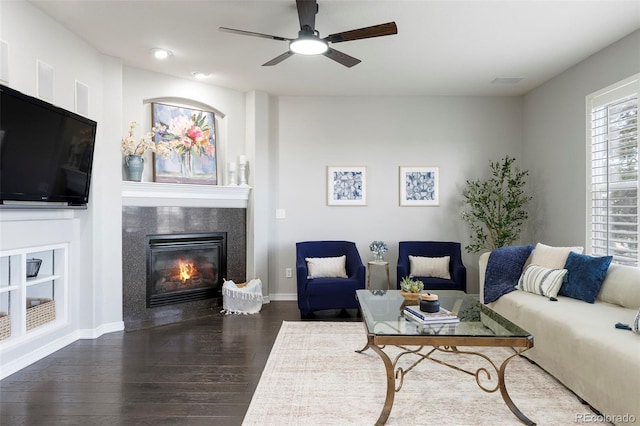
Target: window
pixel 613 220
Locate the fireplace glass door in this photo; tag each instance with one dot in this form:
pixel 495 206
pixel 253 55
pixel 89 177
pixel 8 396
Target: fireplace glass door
pixel 185 267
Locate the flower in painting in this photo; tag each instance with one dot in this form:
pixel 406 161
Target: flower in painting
pixel 195 133
pixel 189 134
pixel 178 126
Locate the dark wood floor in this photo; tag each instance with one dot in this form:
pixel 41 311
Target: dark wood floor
pixel 199 372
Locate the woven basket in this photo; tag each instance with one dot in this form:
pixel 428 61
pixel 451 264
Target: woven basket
pixel 40 314
pixel 5 325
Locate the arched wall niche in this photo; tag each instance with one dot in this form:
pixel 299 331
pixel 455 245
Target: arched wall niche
pixel 187 103
pixel 220 126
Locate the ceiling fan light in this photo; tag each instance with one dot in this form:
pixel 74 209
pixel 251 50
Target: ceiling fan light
pixel 308 46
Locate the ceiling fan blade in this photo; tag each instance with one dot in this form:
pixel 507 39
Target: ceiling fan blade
pixel 278 59
pixel 307 10
pixel 389 28
pixel 342 58
pixel 249 33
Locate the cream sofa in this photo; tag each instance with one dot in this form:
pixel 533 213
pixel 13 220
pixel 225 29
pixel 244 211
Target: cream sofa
pixel 578 344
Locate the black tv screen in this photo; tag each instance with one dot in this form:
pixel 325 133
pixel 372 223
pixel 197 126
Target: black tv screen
pixel 46 152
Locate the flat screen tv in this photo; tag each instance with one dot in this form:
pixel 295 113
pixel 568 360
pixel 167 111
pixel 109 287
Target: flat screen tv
pixel 46 152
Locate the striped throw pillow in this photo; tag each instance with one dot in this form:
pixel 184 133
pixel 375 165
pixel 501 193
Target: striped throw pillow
pixel 543 281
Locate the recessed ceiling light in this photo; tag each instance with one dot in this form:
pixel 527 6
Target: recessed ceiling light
pixel 199 74
pixel 161 53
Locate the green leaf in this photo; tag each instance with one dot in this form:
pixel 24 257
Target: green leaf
pixel 496 206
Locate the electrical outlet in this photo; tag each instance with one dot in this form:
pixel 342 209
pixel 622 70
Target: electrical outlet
pixel 288 273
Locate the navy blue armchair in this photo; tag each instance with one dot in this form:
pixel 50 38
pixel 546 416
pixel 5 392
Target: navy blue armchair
pixel 317 294
pixel 457 270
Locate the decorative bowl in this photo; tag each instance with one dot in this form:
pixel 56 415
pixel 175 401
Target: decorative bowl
pixel 409 296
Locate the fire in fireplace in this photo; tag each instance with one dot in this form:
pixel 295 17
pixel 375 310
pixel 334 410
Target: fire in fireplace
pixel 185 267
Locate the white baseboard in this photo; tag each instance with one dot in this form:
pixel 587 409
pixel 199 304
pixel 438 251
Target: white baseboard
pixel 100 330
pixel 283 297
pixel 11 367
pixel 18 364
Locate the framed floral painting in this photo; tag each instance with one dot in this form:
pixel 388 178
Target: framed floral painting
pixel 347 186
pixel 419 186
pixel 190 136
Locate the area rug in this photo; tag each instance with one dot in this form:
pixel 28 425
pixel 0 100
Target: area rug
pixel 314 377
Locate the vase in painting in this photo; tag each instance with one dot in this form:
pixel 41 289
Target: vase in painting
pixel 187 164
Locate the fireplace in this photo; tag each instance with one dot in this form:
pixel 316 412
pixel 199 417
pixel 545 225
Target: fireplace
pixel 185 267
pixel 141 223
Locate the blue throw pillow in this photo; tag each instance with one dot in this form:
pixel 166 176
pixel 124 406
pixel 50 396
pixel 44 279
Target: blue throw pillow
pixel 504 268
pixel 584 277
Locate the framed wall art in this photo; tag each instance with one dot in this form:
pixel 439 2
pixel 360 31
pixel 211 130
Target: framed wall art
pixel 190 136
pixel 419 186
pixel 347 186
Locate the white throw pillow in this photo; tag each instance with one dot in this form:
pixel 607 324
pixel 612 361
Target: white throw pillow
pixel 552 257
pixel 621 286
pixel 543 281
pixel 437 267
pixel 326 267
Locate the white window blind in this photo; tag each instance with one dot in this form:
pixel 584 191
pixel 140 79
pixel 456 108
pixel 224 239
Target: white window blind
pixel 613 220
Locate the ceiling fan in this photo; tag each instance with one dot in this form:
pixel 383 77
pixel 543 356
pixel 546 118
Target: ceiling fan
pixel 309 41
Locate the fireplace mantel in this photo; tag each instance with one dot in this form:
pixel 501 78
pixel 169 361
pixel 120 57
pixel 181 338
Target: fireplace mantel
pixel 148 194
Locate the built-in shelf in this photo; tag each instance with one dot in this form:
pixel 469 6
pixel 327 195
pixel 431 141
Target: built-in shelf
pixel 38 303
pixel 41 279
pixel 179 195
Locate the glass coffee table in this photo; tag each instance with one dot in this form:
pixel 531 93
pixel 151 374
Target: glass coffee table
pixel 479 326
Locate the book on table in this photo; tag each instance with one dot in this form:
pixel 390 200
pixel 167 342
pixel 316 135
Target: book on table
pixel 410 316
pixel 443 315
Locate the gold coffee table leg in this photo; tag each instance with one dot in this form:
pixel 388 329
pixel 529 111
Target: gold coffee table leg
pixel 484 372
pixel 391 385
pixel 505 395
pixel 391 377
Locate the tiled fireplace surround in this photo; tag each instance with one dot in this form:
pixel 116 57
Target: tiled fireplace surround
pixel 153 208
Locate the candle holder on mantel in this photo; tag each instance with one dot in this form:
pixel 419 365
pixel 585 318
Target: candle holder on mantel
pixel 242 174
pixel 231 181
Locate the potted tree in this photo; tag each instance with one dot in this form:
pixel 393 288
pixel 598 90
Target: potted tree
pixel 496 206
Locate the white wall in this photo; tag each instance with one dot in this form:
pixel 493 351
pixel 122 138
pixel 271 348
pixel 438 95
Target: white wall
pixel 260 177
pixel 460 135
pixel 140 86
pixel 94 248
pixel 555 141
pixel 106 205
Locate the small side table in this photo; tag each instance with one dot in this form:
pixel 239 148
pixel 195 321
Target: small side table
pixel 373 263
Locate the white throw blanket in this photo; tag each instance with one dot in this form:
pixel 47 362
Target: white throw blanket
pixel 242 300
